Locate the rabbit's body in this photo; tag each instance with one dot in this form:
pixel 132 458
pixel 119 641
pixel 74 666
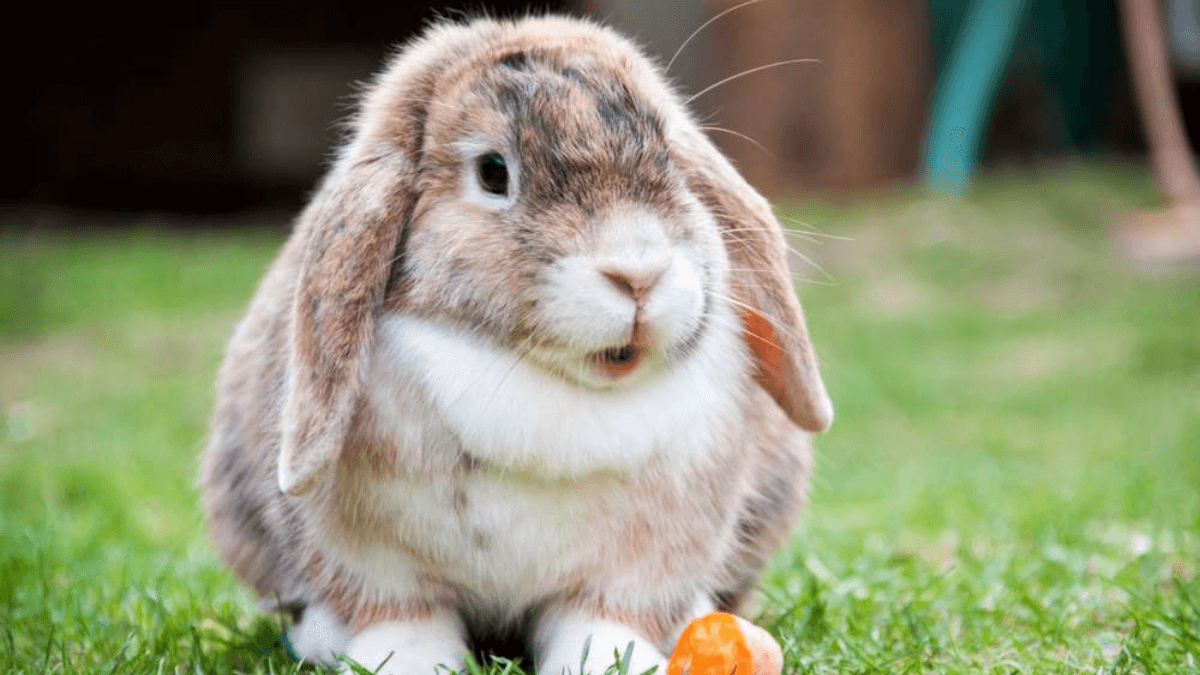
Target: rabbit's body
pixel 530 363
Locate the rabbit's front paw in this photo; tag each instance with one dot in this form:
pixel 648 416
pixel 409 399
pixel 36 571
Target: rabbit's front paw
pixel 318 637
pixel 415 647
pixel 561 647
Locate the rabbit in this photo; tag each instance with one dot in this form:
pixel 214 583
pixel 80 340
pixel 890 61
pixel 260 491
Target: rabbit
pixel 529 366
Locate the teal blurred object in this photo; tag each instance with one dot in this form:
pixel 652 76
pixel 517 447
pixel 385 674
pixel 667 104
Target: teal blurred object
pixel 974 41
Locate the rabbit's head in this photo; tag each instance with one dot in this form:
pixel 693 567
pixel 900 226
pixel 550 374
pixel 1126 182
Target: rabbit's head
pixel 539 186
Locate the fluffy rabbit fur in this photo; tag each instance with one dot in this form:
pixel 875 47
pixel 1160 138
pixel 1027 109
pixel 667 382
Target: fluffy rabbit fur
pixel 530 363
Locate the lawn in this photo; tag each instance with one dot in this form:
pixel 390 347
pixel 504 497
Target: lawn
pixel 1012 484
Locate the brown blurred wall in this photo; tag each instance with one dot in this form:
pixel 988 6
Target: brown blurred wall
pixel 853 121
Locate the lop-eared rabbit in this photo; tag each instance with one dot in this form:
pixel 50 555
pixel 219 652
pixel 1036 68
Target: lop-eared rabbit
pixel 530 364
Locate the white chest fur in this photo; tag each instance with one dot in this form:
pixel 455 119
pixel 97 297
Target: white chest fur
pixel 507 542
pixel 515 416
pixel 542 506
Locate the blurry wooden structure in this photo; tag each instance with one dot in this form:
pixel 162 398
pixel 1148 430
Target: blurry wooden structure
pixel 852 121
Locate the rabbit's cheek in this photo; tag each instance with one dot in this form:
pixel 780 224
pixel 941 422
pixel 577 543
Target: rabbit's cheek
pixel 580 309
pixel 674 311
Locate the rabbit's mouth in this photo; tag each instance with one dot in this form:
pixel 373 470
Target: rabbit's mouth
pixel 617 362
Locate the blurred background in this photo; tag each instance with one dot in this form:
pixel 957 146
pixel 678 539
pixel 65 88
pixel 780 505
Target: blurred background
pixel 215 107
pixel 1013 476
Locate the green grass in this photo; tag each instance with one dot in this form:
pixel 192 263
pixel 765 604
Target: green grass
pixel 1012 484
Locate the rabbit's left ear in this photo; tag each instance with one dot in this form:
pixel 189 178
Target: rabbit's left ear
pixel 762 289
pixel 349 238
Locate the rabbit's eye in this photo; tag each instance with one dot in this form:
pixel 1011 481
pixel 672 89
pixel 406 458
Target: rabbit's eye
pixel 493 174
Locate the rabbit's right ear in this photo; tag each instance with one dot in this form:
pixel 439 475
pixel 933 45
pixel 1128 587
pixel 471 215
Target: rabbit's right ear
pixel 349 237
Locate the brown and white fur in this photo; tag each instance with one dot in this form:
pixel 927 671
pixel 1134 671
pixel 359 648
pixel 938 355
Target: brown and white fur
pixel 573 409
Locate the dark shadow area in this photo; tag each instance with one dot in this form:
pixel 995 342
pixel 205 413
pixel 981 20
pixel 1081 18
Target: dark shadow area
pixel 204 107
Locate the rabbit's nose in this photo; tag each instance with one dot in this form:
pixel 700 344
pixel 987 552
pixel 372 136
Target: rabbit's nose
pixel 635 278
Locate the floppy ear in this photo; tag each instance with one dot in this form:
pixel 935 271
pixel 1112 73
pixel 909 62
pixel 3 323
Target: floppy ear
pixel 762 290
pixel 348 236
pixel 352 233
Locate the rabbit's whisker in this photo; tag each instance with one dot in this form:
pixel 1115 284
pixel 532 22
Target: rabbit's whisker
pixel 518 351
pixel 806 236
pixel 809 236
pixel 818 282
pixel 776 325
pixel 744 73
pixel 704 25
pixel 794 251
pixel 810 262
pixel 812 232
pixel 760 146
pixel 741 327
